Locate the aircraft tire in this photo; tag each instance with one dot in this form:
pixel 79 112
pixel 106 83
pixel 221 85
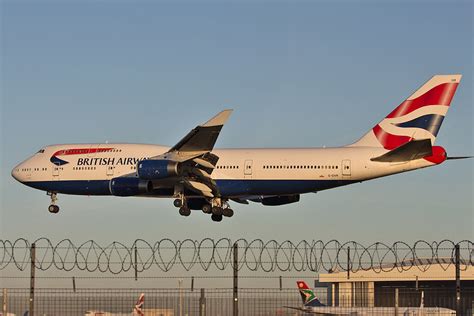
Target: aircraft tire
pixel 177 203
pixel 184 211
pixel 216 210
pixel 228 212
pixel 207 209
pixel 216 218
pixel 53 209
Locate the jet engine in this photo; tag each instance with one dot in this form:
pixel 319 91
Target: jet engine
pixel 156 169
pixel 129 186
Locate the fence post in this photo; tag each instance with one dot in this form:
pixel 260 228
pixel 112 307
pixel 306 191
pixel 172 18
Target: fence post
pixel 236 282
pixel 348 263
pixel 202 304
pixel 396 302
pixel 5 301
pixel 74 284
pixel 31 311
pixel 458 280
pixel 180 284
pixel 136 263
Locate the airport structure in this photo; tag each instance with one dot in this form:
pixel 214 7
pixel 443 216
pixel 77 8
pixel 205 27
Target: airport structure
pixel 352 279
pixel 424 283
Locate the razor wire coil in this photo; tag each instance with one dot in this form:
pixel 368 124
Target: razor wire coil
pixel 254 255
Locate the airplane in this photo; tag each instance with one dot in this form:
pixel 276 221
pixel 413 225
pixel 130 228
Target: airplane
pixel 312 305
pixel 137 310
pixel 310 301
pixel 200 177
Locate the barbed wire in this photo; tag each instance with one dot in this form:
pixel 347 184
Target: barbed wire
pixel 253 255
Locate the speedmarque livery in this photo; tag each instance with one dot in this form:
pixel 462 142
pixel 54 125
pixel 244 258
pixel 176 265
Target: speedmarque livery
pixel 198 176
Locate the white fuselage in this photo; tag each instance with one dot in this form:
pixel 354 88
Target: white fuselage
pixel 79 168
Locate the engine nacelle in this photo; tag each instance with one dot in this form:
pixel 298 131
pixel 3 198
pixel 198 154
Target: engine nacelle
pixel 151 169
pixel 280 200
pixel 129 186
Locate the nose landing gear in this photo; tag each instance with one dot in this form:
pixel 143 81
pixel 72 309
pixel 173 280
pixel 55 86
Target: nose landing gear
pixel 53 208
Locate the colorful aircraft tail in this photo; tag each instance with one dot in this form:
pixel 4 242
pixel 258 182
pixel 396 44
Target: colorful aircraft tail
pixel 418 117
pixel 307 295
pixel 138 309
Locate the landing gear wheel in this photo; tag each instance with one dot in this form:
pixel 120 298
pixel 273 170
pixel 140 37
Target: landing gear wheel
pixel 207 209
pixel 216 210
pixel 53 209
pixel 216 218
pixel 184 211
pixel 178 203
pixel 228 212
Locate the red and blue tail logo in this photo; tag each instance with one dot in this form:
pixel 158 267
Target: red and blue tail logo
pixel 418 117
pixel 74 151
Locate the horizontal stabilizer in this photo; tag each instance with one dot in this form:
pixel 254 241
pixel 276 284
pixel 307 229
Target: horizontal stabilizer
pixel 458 157
pixel 414 149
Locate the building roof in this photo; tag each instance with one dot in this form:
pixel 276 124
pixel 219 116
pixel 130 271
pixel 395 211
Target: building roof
pixel 426 269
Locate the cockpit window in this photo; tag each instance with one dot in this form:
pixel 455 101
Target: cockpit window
pixel 40 151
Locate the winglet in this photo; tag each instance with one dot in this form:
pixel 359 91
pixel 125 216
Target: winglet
pixel 219 119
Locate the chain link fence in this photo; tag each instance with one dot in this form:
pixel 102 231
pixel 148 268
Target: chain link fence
pixel 251 302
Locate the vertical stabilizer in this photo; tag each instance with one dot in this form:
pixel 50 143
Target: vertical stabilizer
pixel 307 295
pixel 418 117
pixel 138 308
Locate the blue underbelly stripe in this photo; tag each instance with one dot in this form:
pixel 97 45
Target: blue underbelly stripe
pixel 227 188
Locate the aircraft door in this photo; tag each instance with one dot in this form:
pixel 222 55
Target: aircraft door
pixel 248 169
pixel 346 168
pixel 110 170
pixel 56 169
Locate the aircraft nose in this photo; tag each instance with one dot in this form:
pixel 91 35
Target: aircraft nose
pixel 15 173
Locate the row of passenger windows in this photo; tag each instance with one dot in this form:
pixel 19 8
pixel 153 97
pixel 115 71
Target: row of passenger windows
pixel 218 167
pixel 84 168
pixel 286 167
pixel 31 169
pixel 301 167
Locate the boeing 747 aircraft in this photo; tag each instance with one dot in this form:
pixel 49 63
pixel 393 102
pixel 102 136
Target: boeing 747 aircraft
pixel 200 177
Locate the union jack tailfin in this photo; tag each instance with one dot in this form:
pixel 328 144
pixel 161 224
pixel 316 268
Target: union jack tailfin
pixel 418 117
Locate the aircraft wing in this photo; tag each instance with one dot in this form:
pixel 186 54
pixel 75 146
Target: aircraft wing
pixel 199 141
pixel 193 152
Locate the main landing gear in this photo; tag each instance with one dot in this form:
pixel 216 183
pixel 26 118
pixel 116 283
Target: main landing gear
pixel 217 207
pixel 180 202
pixel 53 208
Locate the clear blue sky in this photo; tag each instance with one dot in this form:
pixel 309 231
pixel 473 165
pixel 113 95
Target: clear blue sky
pixel 297 74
